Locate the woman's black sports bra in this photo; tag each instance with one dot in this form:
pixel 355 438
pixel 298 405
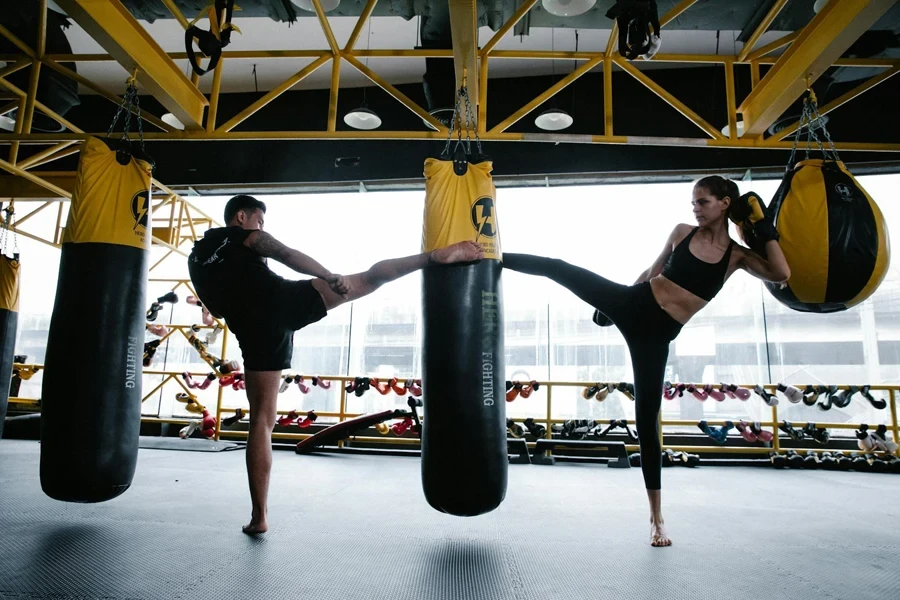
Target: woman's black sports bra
pixel 699 277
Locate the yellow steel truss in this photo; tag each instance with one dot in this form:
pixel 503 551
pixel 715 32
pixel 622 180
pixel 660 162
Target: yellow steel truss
pixel 210 130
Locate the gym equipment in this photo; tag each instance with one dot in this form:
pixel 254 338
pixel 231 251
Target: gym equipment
pixel 830 392
pixel 833 234
pixel 535 429
pixel 105 249
pixel 287 419
pixel 810 461
pixel 308 420
pixel 190 403
pixel 761 434
pixel 237 416
pixel 153 311
pixel 639 29
pixel 210 42
pixel 828 461
pixel 464 470
pixel 517 450
pixel 189 429
pixel 819 434
pixel 794 434
pixel 601 320
pixel 699 393
pixel 189 381
pixel 344 429
pixel 744 429
pixel 208 425
pixel 794 459
pixel 768 398
pixel 512 390
pixel 793 395
pixel 880 404
pixel 514 429
pixel 884 444
pixel 321 383
pixel 718 434
pixel 9 307
pixel 615 449
pixel 736 392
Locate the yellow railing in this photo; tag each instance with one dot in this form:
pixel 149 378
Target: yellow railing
pixel 342 414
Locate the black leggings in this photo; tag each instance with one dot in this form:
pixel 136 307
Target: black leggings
pixel 647 329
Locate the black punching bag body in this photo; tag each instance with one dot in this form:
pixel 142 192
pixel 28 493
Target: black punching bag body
pixel 91 396
pixel 9 323
pixel 464 461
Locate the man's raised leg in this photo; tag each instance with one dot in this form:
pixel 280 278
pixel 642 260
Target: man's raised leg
pixel 363 284
pixel 262 392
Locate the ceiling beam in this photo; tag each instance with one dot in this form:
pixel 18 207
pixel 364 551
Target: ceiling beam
pixel 760 29
pixel 110 24
pixel 820 44
pixel 464 33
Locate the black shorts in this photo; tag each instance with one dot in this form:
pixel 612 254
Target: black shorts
pixel 266 331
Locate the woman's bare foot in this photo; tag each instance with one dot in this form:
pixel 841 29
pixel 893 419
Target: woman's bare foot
pixel 658 536
pixel 255 527
pixel 460 252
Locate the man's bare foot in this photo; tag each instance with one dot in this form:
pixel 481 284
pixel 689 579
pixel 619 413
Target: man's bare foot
pixel 658 535
pixel 255 527
pixel 460 252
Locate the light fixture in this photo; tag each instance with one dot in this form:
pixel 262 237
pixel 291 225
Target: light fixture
pixel 819 5
pixel 726 131
pixel 173 121
pixel 568 8
pixel 7 123
pixel 362 118
pixel 444 115
pixel 553 120
pixel 327 5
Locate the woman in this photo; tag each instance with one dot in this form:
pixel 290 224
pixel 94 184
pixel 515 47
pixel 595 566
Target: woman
pixel 690 271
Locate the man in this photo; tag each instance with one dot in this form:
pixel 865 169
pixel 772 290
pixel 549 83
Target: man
pixel 229 271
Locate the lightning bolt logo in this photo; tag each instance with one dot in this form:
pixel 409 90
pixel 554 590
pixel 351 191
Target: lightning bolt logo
pixel 483 217
pixel 140 205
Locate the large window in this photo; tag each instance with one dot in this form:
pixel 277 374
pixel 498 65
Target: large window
pixel 744 335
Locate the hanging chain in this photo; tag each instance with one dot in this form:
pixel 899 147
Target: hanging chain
pixel 9 224
pixel 819 123
pixel 130 100
pixel 470 120
pixel 458 121
pixel 812 120
pixel 452 126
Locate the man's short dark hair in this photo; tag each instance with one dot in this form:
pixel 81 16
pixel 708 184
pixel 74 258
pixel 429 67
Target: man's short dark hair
pixel 242 202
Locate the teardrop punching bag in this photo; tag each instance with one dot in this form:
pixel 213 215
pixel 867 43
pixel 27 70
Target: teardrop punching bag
pixel 833 235
pixel 9 323
pixel 91 400
pixel 464 461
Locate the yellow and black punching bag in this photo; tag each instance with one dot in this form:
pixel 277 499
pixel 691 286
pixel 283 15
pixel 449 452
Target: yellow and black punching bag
pixel 91 397
pixel 833 235
pixel 9 324
pixel 464 460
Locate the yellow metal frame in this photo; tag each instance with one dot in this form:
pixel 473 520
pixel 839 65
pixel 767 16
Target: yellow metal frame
pixel 342 414
pixel 478 78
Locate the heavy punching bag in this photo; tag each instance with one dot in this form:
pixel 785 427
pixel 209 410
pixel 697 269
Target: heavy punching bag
pixel 464 461
pixel 833 235
pixel 91 401
pixel 9 318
